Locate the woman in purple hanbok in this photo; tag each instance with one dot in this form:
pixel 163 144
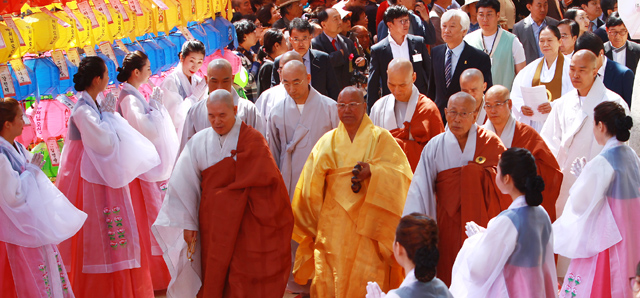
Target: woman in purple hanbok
pixel 599 227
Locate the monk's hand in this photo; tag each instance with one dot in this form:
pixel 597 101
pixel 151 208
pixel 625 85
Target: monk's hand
pixel 362 174
pixel 544 108
pixel 527 111
pixel 190 236
pixel 37 160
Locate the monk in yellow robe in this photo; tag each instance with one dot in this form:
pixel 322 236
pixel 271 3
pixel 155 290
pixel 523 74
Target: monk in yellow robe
pixel 347 203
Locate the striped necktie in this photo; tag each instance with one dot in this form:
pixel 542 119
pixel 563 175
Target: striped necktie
pixel 447 67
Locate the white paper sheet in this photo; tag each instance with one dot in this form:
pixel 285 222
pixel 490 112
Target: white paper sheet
pixel 533 97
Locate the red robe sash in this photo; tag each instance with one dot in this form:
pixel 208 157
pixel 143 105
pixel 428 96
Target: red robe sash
pixel 246 223
pixel 527 137
pixel 426 123
pixel 467 193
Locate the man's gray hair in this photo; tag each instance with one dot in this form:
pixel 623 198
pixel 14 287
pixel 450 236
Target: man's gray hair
pixel 456 13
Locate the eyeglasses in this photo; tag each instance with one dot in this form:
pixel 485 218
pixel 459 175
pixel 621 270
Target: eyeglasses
pixel 619 33
pixel 296 40
pixel 352 105
pixel 497 105
pixel 295 84
pixel 403 21
pixel 463 115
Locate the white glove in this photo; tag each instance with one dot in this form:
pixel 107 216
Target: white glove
pixel 473 228
pixel 157 94
pixel 200 90
pixel 374 291
pixel 38 160
pixel 578 165
pixel 109 103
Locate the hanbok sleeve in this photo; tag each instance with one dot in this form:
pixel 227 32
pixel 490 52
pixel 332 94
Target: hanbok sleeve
pixel 177 106
pixel 114 152
pixel 157 127
pixel 482 258
pixel 179 212
pixel 33 212
pixel 422 194
pixel 551 131
pixel 587 226
pixel 516 95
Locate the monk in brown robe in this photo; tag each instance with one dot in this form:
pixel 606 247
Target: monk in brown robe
pixel 411 118
pixel 455 179
pixel 517 134
pixel 227 196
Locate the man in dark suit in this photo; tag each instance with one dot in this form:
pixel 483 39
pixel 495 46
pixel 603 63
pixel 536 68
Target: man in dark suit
pixel 420 23
pixel 594 11
pixel 619 48
pixel 323 78
pixel 399 44
pixel 528 29
pixel 342 53
pixel 452 58
pixel 616 77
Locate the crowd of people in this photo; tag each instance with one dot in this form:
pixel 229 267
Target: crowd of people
pixel 392 149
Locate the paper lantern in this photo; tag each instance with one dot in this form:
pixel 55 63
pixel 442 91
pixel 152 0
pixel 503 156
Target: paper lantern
pixel 28 135
pixel 83 38
pixel 155 54
pixel 188 11
pixel 116 29
pixel 213 36
pixel 68 35
pixel 170 52
pixel 101 33
pixel 11 40
pixel 144 23
pixel 47 28
pixel 67 85
pixel 47 76
pixel 173 15
pixel 26 31
pixel 227 32
pixel 24 91
pixel 198 33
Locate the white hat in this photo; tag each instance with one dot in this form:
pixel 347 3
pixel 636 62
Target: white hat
pixel 467 2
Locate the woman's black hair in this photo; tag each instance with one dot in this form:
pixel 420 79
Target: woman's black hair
pixel 554 30
pixel 132 61
pixel 614 118
pixel 418 235
pixel 520 164
pixel 271 38
pixel 192 46
pixel 89 68
pixel 244 28
pixel 264 15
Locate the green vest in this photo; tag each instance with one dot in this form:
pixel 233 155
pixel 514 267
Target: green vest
pixel 502 63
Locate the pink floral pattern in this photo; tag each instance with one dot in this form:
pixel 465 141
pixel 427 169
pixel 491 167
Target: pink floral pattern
pixel 570 289
pixel 117 235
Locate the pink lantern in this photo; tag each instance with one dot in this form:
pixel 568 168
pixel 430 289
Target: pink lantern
pixel 236 62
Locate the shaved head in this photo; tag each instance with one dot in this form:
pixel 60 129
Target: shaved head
pixel 289 56
pixel 472 74
pixel 583 71
pixel 351 108
pixel 352 92
pixel 586 56
pixel 498 92
pixel 400 79
pixel 221 111
pixel 296 81
pixel 294 65
pixel 472 82
pixel 463 99
pixel 219 64
pixel 222 96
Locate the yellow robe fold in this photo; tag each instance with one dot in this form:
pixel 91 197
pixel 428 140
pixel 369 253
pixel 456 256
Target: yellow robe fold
pixel 346 239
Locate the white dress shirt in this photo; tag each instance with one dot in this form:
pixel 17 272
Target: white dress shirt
pixel 399 50
pixel 457 51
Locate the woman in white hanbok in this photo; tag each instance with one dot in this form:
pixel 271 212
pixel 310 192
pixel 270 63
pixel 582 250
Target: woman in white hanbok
pixel 34 218
pixel 513 256
pixel 416 250
pixel 183 87
pixel 152 120
pixel 102 155
pixel 599 226
pixel 551 71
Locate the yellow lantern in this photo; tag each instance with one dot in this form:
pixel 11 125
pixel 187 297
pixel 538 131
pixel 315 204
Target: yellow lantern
pixel 83 38
pixel 47 28
pixel 173 15
pixel 188 8
pixel 144 23
pixel 129 27
pixel 101 33
pixel 11 43
pixel 203 10
pixel 116 29
pixel 68 34
pixel 26 31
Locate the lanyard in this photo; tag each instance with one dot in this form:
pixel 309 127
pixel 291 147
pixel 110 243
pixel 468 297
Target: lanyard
pixel 490 53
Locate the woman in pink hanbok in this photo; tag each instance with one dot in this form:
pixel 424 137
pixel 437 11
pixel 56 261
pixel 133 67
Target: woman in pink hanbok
pixel 513 256
pixel 152 120
pixel 599 227
pixel 102 155
pixel 34 217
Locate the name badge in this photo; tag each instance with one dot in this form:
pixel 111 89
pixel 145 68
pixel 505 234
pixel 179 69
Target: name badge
pixel 417 58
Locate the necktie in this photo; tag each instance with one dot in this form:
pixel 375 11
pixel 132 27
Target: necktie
pixel 447 67
pixel 333 43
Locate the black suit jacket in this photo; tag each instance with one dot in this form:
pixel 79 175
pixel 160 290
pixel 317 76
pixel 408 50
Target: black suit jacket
pixel 381 56
pixel 469 58
pixel 323 78
pixel 632 54
pixel 619 79
pixel 339 60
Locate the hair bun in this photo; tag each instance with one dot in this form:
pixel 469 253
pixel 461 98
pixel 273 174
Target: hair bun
pixel 426 260
pixel 535 184
pixel 624 123
pixel 119 69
